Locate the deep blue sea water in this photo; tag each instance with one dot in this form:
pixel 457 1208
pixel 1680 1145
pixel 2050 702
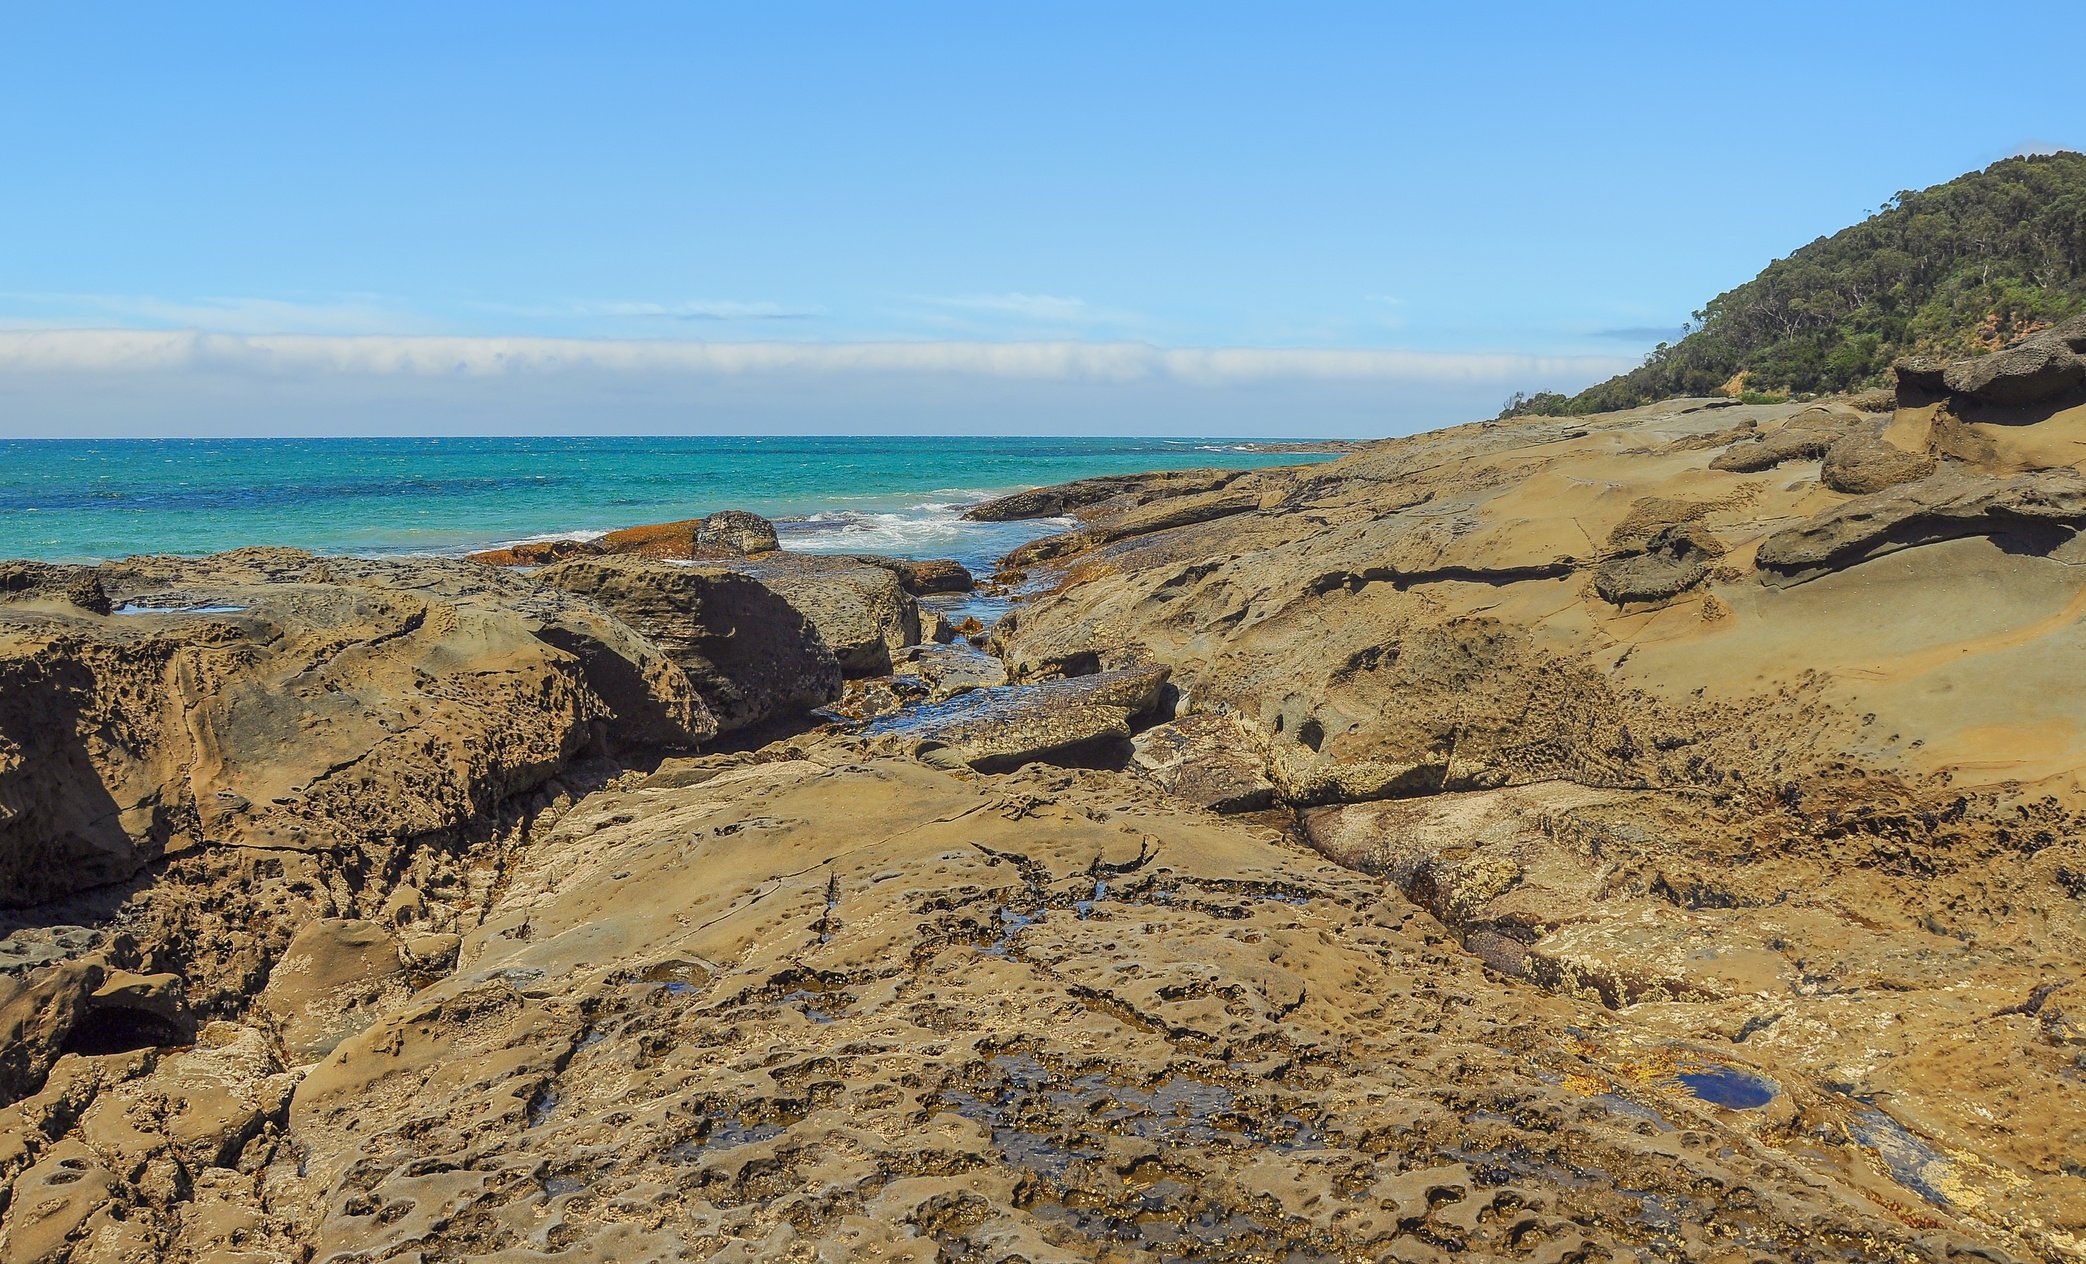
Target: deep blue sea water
pixel 77 500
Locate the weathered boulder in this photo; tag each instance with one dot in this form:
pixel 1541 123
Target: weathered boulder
pixel 37 1016
pixel 536 552
pixel 1805 437
pixel 2035 512
pixel 749 653
pixel 2035 370
pixel 1121 489
pixel 1920 379
pixel 925 578
pixel 922 578
pixel 330 983
pixel 1864 462
pixel 1674 560
pixel 863 612
pixel 1206 758
pixel 728 533
pixel 736 531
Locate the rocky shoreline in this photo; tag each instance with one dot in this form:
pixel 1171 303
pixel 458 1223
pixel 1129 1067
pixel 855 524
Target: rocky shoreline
pixel 1649 835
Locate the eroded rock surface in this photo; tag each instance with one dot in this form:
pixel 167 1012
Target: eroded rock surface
pixel 751 654
pixel 1707 740
pixel 1537 840
pixel 864 611
pixel 271 699
pixel 793 1005
pixel 728 533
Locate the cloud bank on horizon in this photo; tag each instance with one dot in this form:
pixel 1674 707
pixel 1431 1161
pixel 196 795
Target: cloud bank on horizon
pixel 822 217
pixel 74 382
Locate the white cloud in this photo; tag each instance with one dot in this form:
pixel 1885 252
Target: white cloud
pixel 1052 309
pixel 344 314
pixel 690 309
pixel 388 356
pixel 2039 149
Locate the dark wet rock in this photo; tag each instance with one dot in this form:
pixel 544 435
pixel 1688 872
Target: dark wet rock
pixel 1066 498
pixel 947 670
pixel 1206 758
pixel 1674 560
pixel 922 578
pixel 735 531
pixel 863 612
pixel 87 593
pixel 926 578
pixel 752 655
pixel 1921 379
pixel 1864 462
pixel 1078 720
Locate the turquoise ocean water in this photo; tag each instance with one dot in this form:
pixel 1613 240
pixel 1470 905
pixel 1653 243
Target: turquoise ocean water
pixel 67 500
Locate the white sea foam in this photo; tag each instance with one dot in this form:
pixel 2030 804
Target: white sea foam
pixel 930 529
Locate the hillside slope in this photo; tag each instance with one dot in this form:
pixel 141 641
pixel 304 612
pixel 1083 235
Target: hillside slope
pixel 1962 267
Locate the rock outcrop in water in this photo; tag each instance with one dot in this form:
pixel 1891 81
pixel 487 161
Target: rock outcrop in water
pixel 728 533
pixel 1533 840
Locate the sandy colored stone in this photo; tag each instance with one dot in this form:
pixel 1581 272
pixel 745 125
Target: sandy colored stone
pixel 863 612
pixel 749 653
pixel 330 983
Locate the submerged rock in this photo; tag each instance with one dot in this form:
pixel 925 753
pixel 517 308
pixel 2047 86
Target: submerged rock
pixel 947 670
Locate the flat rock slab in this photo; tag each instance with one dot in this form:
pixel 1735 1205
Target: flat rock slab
pixel 996 729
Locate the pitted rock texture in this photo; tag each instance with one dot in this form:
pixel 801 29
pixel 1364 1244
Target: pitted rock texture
pixel 1736 755
pixel 270 699
pixel 1736 920
pixel 794 1005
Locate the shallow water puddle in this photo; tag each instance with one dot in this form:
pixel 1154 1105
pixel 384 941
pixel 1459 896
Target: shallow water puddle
pixel 1011 924
pixel 725 1133
pixel 1728 1086
pixel 1085 907
pixel 132 607
pixel 1913 1163
pixel 674 977
pixel 993 703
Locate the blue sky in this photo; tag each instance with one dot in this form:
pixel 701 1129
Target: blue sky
pixel 1158 218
